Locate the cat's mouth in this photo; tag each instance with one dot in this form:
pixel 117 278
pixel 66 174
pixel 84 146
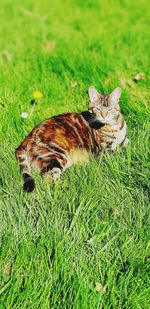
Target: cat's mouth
pixel 102 121
pixel 105 121
pixel 98 122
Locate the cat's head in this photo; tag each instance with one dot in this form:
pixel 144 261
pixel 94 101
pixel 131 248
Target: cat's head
pixel 104 108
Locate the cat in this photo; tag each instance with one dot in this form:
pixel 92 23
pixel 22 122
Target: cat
pixel 63 140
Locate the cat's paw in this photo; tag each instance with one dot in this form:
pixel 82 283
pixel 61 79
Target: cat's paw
pixel 53 174
pixel 125 142
pixel 113 146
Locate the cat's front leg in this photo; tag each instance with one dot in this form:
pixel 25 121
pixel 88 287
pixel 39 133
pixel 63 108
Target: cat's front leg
pixel 125 142
pixel 113 146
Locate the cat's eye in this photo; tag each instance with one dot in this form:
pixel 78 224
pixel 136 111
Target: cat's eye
pixel 97 109
pixel 109 109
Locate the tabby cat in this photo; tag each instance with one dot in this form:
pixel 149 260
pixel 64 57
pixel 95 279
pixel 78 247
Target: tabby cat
pixel 63 140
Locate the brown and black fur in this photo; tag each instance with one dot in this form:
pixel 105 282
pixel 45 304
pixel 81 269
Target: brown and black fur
pixel 58 142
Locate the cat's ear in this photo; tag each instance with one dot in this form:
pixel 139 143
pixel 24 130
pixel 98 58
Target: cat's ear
pixel 115 96
pixel 93 95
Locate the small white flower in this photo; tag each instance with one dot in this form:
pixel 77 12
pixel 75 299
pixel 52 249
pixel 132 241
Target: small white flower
pixel 24 115
pixel 139 76
pixel 99 287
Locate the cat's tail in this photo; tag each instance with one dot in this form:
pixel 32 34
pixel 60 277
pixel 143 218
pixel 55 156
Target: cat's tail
pixel 25 168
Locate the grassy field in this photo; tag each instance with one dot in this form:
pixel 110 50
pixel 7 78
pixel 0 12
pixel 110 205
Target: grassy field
pixel 83 243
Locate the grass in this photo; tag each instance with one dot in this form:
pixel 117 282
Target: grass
pixel 83 243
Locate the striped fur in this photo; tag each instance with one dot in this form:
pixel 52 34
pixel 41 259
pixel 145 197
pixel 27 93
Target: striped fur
pixel 58 142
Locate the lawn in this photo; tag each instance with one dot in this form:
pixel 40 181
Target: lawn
pixel 83 243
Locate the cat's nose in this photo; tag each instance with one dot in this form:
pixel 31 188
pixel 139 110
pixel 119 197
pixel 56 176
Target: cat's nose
pixel 104 114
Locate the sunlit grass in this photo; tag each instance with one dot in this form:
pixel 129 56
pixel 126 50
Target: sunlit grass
pixel 83 242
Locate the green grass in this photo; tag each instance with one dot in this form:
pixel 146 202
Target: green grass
pixel 60 241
